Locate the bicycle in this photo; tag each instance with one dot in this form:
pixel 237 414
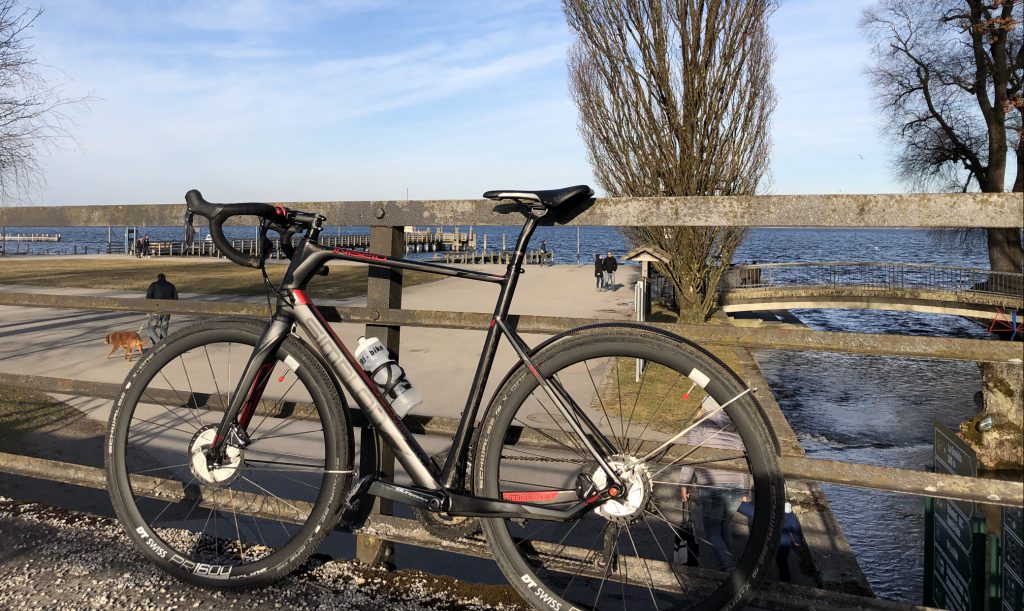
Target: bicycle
pixel 230 454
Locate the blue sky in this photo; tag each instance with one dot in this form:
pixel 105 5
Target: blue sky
pixel 360 99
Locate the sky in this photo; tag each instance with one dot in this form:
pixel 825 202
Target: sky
pixel 312 100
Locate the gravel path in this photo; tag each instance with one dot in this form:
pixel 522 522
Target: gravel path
pixel 54 559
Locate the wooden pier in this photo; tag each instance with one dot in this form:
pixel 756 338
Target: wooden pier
pixel 415 240
pixel 31 237
pixel 425 240
pixel 206 248
pixel 495 256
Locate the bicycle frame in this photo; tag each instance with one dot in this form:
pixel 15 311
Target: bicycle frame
pixel 435 489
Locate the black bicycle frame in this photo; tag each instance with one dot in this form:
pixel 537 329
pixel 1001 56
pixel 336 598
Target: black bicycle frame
pixel 435 489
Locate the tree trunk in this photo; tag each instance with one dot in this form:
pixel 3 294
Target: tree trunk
pixel 1005 252
pixel 999 446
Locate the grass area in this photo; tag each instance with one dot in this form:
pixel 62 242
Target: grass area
pixel 23 411
pixel 189 275
pixel 656 399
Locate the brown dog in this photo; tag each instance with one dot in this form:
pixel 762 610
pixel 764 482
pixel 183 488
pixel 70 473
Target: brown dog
pixel 129 340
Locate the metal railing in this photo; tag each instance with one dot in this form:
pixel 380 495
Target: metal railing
pixel 888 276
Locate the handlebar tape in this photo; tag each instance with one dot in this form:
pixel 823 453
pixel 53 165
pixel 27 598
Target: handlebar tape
pixel 218 213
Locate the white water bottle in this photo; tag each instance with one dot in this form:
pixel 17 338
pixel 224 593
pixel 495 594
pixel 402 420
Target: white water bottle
pixel 389 377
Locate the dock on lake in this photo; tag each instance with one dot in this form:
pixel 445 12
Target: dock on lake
pixel 31 237
pixel 494 256
pixel 415 241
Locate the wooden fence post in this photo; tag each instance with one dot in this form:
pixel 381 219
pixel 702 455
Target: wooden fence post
pixel 383 290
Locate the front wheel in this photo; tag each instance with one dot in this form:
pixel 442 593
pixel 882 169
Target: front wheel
pixel 702 494
pixel 261 512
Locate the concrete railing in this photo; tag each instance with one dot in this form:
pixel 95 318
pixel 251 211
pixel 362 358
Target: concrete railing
pixel 384 316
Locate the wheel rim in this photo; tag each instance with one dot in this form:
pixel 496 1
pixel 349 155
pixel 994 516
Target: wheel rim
pixel 264 502
pixel 622 555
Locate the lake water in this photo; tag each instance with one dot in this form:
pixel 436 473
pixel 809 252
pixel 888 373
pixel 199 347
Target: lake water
pixel 845 407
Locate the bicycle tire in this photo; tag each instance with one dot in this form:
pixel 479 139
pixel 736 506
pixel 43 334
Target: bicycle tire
pixel 217 527
pixel 586 563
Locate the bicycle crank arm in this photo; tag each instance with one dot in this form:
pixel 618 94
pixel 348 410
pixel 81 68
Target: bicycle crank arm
pixel 414 497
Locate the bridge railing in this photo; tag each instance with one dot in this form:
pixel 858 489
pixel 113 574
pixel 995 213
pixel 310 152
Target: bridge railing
pixel 893 276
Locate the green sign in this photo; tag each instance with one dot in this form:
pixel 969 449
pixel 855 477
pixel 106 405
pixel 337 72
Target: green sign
pixel 1013 559
pixel 957 536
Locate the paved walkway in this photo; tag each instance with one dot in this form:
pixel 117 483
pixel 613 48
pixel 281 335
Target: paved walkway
pixel 439 362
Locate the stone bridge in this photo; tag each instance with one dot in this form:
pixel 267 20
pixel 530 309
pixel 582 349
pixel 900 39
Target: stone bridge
pixel 934 289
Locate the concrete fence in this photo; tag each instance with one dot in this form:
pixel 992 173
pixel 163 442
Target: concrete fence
pixel 384 316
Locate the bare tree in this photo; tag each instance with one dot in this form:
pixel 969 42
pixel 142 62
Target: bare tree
pixel 675 99
pixel 31 109
pixel 948 77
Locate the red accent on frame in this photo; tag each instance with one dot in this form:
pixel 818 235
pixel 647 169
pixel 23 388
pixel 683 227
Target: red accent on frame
pixel 530 497
pixel 300 297
pixel 369 256
pixel 281 210
pixel 593 498
pixel 492 323
pixel 255 394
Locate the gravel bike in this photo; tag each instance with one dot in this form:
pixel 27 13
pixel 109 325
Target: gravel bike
pixel 230 449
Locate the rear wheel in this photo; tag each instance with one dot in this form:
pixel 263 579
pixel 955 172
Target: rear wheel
pixel 631 551
pixel 264 509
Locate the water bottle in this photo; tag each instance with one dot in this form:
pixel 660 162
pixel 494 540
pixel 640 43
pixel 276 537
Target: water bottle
pixel 389 377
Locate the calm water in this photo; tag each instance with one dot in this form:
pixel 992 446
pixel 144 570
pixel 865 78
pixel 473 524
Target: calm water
pixel 845 407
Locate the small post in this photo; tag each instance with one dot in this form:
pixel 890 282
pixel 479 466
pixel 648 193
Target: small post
pixel 384 291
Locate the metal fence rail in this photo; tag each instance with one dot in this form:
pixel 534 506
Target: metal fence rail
pixel 890 276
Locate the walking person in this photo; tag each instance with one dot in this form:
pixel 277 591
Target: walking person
pixel 158 322
pixel 543 252
pixel 145 245
pixel 608 266
pixel 598 273
pixel 720 492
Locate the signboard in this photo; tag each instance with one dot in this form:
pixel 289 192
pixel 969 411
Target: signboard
pixel 1013 559
pixel 958 580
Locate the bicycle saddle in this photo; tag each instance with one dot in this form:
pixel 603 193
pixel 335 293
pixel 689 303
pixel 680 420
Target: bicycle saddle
pixel 551 198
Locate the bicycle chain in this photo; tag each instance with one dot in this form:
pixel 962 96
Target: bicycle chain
pixel 539 459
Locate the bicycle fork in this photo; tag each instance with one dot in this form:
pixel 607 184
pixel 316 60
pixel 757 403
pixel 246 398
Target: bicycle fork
pixel 247 395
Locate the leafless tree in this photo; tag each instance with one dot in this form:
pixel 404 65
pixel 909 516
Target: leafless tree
pixel 675 99
pixel 32 113
pixel 948 77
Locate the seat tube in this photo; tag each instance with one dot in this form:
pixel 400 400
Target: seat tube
pixel 453 467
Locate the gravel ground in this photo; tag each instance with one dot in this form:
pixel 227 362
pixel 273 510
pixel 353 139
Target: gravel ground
pixel 54 559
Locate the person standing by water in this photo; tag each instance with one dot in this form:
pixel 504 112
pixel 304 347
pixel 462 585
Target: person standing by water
pixel 158 322
pixel 720 492
pixel 608 266
pixel 598 273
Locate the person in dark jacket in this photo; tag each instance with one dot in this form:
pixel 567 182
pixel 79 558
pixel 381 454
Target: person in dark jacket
pixel 608 266
pixel 598 274
pixel 158 323
pixel 792 536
